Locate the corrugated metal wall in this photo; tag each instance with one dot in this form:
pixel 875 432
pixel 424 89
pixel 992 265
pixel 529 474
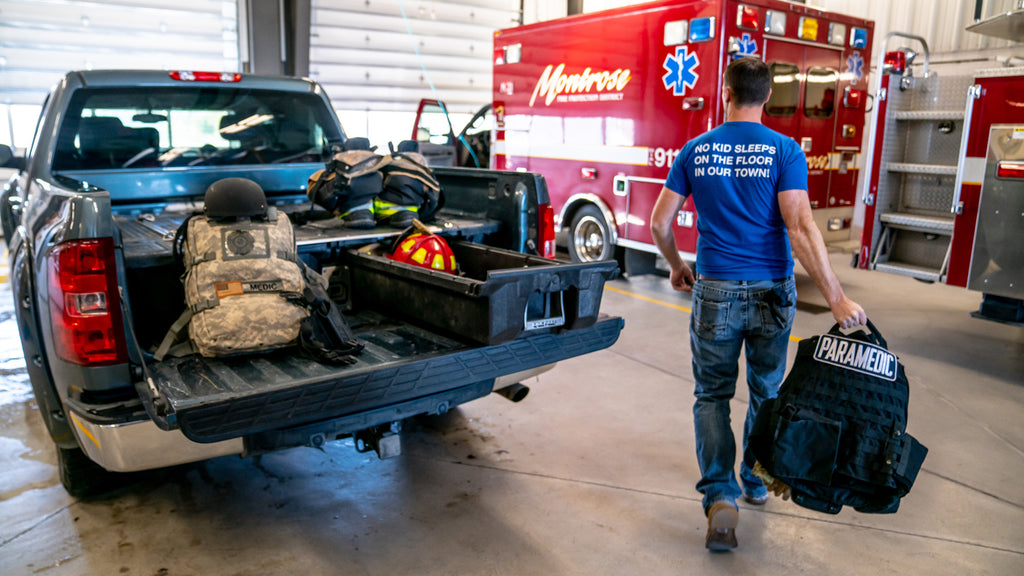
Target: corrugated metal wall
pixel 940 22
pixel 40 40
pixel 387 55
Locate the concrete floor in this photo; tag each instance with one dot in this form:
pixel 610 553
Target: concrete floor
pixel 593 473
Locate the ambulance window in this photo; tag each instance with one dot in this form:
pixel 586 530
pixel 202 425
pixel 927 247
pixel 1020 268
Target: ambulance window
pixel 785 90
pixel 820 94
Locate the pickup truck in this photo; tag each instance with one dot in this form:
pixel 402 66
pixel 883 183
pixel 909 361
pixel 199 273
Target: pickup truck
pixel 121 158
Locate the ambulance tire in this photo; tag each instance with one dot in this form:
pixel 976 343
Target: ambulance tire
pixel 590 239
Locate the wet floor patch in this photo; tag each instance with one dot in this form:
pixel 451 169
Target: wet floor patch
pixel 14 383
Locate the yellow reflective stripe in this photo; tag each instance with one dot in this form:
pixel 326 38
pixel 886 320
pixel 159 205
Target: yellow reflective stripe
pixel 84 431
pixel 420 256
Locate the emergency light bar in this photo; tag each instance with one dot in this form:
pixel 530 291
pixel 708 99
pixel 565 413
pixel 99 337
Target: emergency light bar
pixel 746 17
pixel 675 33
pixel 808 28
pixel 190 76
pixel 852 97
pixel 859 38
pixel 702 29
pixel 895 62
pixel 775 22
pixel 837 34
pixel 1010 169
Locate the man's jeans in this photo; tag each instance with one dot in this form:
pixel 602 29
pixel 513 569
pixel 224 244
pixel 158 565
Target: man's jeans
pixel 726 315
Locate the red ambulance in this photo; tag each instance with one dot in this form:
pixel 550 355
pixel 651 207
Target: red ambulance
pixel 601 104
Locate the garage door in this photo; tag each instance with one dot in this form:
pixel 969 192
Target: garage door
pixel 384 56
pixel 40 40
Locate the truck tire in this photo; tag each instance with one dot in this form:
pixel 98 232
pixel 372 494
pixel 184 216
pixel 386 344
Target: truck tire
pixel 83 478
pixel 589 236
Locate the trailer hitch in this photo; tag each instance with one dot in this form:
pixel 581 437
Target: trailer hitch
pixel 384 440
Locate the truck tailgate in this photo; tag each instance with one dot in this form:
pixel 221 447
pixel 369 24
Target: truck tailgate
pixel 214 399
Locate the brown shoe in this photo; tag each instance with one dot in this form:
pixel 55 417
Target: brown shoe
pixel 722 520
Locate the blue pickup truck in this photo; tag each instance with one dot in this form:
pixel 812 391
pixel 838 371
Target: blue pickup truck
pixel 121 158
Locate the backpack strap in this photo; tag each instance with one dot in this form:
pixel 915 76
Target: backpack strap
pixel 173 335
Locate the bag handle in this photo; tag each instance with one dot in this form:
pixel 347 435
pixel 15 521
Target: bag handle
pixel 874 336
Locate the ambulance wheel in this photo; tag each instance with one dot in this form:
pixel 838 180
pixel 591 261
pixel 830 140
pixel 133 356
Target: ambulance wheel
pixel 589 236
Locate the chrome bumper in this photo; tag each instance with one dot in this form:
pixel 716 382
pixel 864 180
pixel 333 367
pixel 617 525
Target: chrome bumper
pixel 142 445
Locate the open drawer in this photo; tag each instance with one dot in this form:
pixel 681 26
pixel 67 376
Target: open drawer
pixel 500 295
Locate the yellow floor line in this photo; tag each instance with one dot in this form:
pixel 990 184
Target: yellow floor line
pixel 665 304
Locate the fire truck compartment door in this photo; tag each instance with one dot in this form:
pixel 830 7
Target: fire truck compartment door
pixel 997 264
pixel 803 105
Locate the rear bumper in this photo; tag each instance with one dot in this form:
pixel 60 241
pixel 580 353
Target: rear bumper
pixel 141 445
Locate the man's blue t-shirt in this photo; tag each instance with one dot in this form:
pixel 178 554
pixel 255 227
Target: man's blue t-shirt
pixel 735 173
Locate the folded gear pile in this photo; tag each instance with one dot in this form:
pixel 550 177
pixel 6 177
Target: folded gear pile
pixel 364 188
pixel 836 433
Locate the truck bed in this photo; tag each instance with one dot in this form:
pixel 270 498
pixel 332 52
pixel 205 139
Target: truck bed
pixel 411 363
pixel 405 369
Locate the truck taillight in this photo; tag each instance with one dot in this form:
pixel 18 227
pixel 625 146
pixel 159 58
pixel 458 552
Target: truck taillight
pixel 1010 169
pixel 193 76
pixel 85 310
pixel 895 62
pixel 546 233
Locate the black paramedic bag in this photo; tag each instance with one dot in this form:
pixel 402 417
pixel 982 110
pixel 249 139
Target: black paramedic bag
pixel 836 433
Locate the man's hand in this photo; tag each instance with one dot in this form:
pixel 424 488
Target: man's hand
pixel 848 313
pixel 682 278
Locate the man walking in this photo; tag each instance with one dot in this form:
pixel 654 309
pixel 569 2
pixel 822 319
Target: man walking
pixel 749 185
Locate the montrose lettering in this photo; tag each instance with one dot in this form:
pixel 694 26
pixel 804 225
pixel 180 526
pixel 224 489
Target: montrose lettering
pixel 555 84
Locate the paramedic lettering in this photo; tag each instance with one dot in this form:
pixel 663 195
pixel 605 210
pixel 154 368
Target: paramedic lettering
pixel 739 161
pixel 554 82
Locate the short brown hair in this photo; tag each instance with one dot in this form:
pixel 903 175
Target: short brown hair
pixel 750 81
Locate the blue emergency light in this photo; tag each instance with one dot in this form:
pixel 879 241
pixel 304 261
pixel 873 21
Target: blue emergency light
pixel 702 29
pixel 859 38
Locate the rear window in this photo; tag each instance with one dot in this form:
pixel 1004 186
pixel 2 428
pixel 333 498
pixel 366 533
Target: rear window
pixel 820 94
pixel 785 90
pixel 146 128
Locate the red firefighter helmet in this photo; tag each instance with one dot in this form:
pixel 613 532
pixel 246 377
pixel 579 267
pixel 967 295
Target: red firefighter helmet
pixel 421 248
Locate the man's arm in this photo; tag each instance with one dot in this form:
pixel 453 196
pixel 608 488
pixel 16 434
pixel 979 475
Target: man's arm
pixel 663 215
pixel 809 248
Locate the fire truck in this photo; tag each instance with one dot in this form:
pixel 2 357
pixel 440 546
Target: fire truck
pixel 602 103
pixel 945 201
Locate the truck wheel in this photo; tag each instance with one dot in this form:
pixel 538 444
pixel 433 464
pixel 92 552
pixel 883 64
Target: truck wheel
pixel 83 478
pixel 589 236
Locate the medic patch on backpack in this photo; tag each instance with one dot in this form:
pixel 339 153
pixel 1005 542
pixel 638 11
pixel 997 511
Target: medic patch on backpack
pixel 857 356
pixel 238 288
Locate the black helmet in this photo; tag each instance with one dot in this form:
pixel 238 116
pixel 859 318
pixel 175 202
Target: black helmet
pixel 235 198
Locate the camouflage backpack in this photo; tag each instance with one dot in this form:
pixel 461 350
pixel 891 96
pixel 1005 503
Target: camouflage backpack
pixel 245 289
pixel 236 276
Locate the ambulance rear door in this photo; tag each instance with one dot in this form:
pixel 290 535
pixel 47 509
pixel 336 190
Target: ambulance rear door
pixel 805 81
